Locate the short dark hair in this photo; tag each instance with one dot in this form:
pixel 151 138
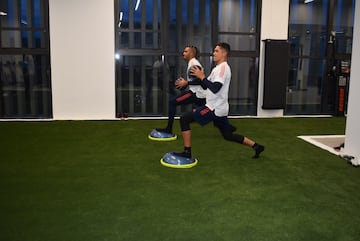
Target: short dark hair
pixel 224 46
pixel 196 51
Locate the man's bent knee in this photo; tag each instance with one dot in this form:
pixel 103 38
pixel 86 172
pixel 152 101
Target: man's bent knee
pixel 185 121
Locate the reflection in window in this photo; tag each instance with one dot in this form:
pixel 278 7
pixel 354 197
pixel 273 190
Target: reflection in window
pixel 343 20
pixel 243 94
pixel 143 85
pixel 23 13
pixel 138 24
pixel 307 30
pixel 25 86
pixel 240 42
pixel 23 39
pixel 305 86
pixel 238 16
pixel 189 24
pixel 320 36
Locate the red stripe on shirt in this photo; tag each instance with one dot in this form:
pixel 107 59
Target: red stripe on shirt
pixel 222 71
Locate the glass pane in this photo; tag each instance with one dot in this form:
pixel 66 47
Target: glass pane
pixel 189 24
pixel 25 90
pixel 123 40
pixel 240 42
pixel 237 16
pixel 344 17
pixel 343 45
pixel 39 14
pixel 23 39
pixel 137 14
pixel 26 13
pixel 307 27
pixel 11 39
pixel 23 13
pixel 138 24
pixel 139 40
pixel 10 14
pixel 25 86
pixel 244 86
pixel 309 43
pixel 343 25
pixel 145 78
pixel 305 86
pixel 152 40
pixel 143 85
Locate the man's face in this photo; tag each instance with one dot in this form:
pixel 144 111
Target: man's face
pixel 218 54
pixel 188 54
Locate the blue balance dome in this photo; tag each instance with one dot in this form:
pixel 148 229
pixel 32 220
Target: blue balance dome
pixel 156 135
pixel 172 160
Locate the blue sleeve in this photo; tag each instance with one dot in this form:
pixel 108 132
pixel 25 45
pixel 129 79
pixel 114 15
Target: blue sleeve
pixel 196 81
pixel 213 86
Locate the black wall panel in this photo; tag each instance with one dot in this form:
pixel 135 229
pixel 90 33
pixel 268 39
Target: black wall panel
pixel 275 73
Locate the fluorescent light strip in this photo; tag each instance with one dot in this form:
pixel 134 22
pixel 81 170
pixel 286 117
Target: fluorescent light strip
pixel 137 5
pixel 121 14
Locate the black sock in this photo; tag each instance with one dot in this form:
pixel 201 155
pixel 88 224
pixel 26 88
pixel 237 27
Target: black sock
pixel 169 126
pixel 187 150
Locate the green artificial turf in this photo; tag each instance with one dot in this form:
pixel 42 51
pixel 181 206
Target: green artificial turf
pixel 102 180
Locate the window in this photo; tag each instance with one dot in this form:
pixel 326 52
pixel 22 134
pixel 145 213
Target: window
pixel 151 36
pixel 25 90
pixel 320 36
pixel 238 25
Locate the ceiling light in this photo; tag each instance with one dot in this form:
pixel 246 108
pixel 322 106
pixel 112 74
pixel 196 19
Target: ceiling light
pixel 137 5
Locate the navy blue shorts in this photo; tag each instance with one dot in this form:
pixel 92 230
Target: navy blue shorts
pixel 203 115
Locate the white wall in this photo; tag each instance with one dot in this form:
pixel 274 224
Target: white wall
pixel 352 133
pixel 82 59
pixel 274 25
